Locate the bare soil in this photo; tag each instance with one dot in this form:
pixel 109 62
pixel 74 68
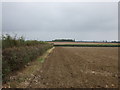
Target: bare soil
pixel 78 67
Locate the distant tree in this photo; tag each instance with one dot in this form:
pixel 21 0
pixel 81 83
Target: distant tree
pixel 63 40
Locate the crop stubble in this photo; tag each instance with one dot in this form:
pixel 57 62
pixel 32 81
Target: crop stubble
pixel 79 67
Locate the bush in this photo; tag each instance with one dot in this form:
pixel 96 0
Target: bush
pixel 9 41
pixel 17 53
pixel 15 58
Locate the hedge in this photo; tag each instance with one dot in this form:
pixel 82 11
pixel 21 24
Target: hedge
pixel 17 57
pixel 87 45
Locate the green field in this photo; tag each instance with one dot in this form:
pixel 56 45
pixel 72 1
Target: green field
pixel 89 45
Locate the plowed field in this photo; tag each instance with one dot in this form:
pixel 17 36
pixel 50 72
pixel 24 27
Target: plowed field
pixel 79 67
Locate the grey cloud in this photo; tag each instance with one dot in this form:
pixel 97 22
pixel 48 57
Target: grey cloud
pixel 47 21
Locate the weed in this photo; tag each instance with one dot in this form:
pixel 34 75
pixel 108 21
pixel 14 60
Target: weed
pixel 41 60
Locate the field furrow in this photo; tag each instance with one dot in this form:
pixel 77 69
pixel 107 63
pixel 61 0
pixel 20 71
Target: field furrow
pixel 79 67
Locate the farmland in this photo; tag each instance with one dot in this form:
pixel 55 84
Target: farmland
pixel 86 44
pixel 79 67
pixel 62 43
pixel 63 67
pixel 52 44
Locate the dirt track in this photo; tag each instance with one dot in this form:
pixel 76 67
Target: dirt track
pixel 79 67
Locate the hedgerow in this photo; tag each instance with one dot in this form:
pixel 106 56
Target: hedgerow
pixel 17 53
pixel 87 45
pixel 9 41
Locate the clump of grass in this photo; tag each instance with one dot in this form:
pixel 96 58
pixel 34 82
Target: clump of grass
pixel 41 60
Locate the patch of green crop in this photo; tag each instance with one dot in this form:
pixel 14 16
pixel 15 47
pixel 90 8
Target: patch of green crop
pixel 90 45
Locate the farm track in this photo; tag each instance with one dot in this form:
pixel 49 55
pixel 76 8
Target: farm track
pixel 79 67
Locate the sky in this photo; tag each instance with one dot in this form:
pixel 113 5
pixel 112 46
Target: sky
pixel 61 20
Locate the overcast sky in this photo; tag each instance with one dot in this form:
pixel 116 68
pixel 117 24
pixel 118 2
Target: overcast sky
pixel 48 21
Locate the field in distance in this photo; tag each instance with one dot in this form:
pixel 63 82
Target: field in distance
pixel 85 44
pixel 62 43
